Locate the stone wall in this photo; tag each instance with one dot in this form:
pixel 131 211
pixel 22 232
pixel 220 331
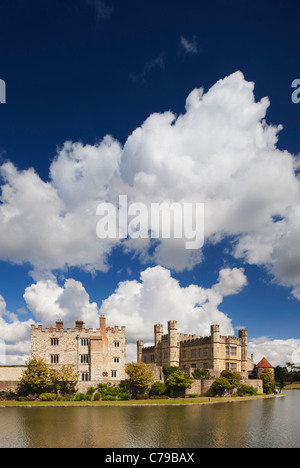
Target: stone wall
pixel 203 387
pixel 9 377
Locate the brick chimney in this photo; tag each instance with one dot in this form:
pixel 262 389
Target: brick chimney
pixel 103 324
pixel 59 325
pixel 79 325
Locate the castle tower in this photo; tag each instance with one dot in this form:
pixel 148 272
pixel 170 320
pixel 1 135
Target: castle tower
pixel 158 334
pixel 215 342
pixel 243 335
pixel 140 347
pixel 173 343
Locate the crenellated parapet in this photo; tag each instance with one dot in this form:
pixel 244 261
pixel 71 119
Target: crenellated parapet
pixel 216 351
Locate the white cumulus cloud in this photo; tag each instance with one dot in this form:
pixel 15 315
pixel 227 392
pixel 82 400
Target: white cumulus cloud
pixel 220 151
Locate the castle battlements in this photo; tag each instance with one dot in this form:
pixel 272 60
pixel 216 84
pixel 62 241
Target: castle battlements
pixel 217 352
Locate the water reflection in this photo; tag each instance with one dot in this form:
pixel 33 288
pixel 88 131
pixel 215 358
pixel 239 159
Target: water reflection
pixel 267 423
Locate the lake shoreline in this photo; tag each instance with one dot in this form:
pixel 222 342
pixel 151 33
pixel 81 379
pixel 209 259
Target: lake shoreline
pixel 130 404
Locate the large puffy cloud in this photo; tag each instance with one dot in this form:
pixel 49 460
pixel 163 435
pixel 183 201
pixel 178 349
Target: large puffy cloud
pixel 158 298
pixel 278 352
pixel 220 152
pixel 50 302
pixel 52 225
pixel 14 337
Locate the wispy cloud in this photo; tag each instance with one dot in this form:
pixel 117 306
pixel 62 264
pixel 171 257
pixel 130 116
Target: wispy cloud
pixel 158 62
pixel 189 46
pixel 102 8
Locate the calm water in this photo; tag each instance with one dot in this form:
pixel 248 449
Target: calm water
pixel 266 423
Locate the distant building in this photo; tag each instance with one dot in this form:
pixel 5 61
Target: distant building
pixel 98 355
pixel 214 352
pixel 261 366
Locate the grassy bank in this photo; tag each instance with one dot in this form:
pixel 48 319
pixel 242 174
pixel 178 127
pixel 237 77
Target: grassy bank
pixel 293 386
pixel 163 402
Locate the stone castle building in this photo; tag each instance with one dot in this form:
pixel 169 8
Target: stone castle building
pixel 214 352
pixel 98 355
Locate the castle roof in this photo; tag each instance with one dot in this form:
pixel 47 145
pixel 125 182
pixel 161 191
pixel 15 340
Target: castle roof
pixel 264 364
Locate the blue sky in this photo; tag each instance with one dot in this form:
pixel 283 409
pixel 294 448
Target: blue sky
pixel 76 71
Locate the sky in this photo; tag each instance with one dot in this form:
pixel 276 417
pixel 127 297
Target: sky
pixel 162 102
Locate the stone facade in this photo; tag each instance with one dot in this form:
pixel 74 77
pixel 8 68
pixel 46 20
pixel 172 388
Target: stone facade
pixel 9 377
pixel 214 352
pixel 98 355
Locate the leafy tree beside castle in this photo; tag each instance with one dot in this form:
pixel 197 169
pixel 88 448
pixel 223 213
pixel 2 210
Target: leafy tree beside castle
pixel 201 374
pixel 269 383
pixel 227 382
pixel 179 381
pixel 141 377
pixel 39 378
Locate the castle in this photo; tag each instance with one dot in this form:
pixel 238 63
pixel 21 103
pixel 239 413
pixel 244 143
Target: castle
pixel 97 355
pixel 214 352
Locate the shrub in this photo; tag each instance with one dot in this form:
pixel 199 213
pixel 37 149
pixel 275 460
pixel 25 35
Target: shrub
pixel 66 398
pixel 109 389
pixel 109 398
pixel 142 396
pixel 47 397
pixel 125 396
pixel 22 398
pixel 158 388
pixel 5 396
pixel 247 390
pixel 82 397
pixel 97 396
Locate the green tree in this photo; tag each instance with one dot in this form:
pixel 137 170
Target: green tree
pixel 268 381
pixel 179 381
pixel 140 376
pixel 234 378
pixel 168 370
pixel 39 378
pixel 64 380
pixel 36 378
pixel 281 376
pixel 201 374
pixel 221 385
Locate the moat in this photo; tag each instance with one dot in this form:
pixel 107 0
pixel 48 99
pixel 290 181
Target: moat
pixel 270 423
